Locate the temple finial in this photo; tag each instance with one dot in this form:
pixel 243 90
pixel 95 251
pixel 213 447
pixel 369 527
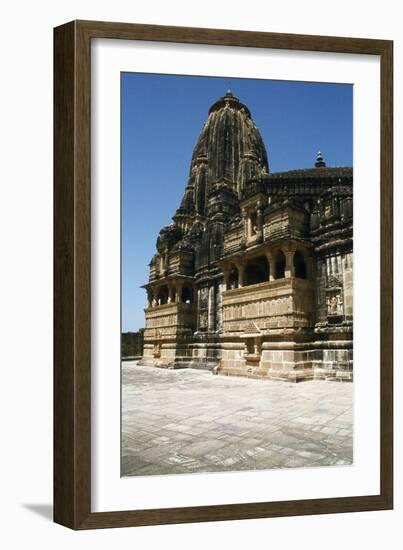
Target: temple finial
pixel 320 162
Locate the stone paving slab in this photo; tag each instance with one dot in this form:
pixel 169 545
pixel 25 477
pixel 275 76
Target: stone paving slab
pixel 185 421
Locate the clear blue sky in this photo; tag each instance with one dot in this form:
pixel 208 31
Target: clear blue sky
pixel 162 116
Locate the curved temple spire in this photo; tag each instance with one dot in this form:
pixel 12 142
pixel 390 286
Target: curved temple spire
pixel 230 148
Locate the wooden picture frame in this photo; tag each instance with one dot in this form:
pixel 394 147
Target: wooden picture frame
pixel 72 270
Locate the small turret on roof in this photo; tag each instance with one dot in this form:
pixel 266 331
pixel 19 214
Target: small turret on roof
pixel 320 162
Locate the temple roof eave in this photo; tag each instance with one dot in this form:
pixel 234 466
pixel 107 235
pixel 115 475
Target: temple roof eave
pixel 168 279
pixel 243 255
pixel 328 172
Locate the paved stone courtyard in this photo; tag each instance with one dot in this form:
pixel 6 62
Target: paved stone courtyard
pixel 185 421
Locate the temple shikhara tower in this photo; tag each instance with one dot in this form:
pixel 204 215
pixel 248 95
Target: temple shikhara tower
pixel 254 275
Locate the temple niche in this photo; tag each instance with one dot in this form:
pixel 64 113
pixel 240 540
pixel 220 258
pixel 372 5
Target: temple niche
pixel 253 277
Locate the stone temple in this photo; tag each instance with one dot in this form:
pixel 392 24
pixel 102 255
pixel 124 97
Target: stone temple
pixel 254 275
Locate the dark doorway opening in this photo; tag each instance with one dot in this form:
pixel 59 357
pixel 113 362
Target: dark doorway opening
pixel 280 265
pixel 299 265
pixel 163 295
pixel 233 278
pixel 257 271
pixel 187 295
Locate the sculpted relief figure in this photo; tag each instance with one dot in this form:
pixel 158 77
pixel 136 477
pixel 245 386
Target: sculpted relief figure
pixel 334 305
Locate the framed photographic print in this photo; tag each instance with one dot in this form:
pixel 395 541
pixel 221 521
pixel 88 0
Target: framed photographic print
pixel 223 275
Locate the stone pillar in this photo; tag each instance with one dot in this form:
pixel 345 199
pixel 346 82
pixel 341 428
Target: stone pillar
pixel 241 274
pixel 289 264
pixel 348 284
pixel 246 222
pixel 211 308
pixel 170 294
pixel 226 273
pixel 197 290
pixel 179 286
pixel 272 265
pixel 249 230
pixel 260 223
pixel 154 291
pixel 219 309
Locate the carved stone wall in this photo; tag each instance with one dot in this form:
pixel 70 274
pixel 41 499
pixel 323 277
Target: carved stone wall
pixel 334 284
pixel 169 321
pixel 285 223
pixel 272 306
